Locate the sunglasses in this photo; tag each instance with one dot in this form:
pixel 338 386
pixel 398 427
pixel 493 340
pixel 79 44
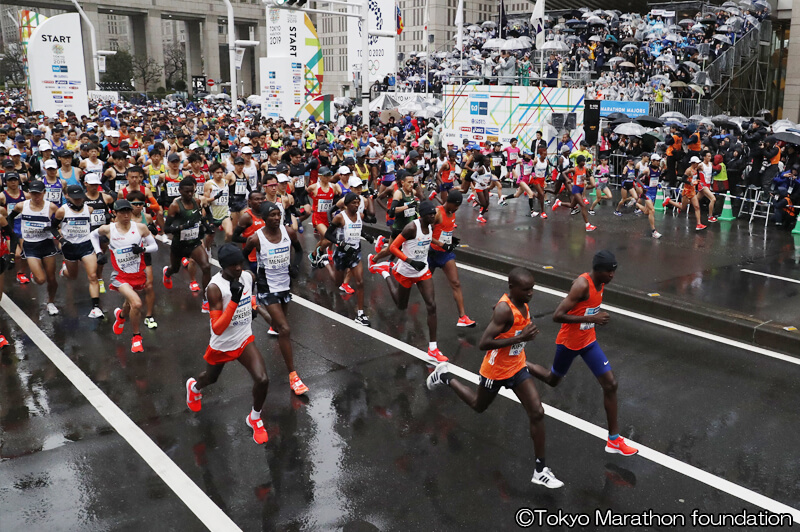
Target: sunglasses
pixel 137 203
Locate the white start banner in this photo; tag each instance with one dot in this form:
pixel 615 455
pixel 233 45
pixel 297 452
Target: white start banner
pixel 382 51
pixel 56 68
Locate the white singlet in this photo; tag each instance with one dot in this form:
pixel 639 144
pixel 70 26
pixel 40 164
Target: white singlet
pixel 76 226
pixel 35 224
pixel 417 249
pixel 240 328
pixel 273 262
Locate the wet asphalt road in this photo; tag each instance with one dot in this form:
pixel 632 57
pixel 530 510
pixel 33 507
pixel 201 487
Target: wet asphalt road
pixel 371 448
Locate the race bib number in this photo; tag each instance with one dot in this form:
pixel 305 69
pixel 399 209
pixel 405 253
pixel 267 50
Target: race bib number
pixel 223 199
pixel 446 237
pixel 53 195
pixel 191 233
pixel 33 229
pixel 243 314
pixel 409 212
pixel 200 189
pixel 241 187
pixel 173 189
pixel 496 161
pixel 127 260
pixel 134 152
pixel 98 217
pixel 324 205
pixel 653 181
pixel 589 312
pixel 75 228
pixel 278 258
pixel 119 184
pixel 389 167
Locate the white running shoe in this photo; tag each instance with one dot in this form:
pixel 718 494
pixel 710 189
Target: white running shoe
pixel 96 313
pixel 656 234
pixel 546 478
pixel 435 378
pixel 51 309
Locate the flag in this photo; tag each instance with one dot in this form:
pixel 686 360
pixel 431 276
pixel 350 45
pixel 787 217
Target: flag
pixel 460 25
pixel 503 20
pixel 537 23
pixel 400 24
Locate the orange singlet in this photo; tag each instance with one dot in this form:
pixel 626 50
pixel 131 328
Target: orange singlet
pixel 257 224
pixel 504 363
pixel 443 232
pixel 576 336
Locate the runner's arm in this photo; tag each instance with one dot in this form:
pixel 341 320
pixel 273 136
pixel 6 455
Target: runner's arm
pixel 502 320
pixel 55 223
pixel 244 222
pixel 95 235
pixel 577 293
pixel 250 245
pixel 220 319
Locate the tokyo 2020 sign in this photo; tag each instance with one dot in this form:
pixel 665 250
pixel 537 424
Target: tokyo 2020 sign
pixel 382 50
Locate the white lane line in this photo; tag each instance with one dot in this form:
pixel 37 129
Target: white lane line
pixel 198 502
pixel 651 320
pixel 690 471
pixel 789 279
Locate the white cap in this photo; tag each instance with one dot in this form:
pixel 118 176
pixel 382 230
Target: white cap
pixel 112 133
pixel 50 163
pixel 245 140
pixel 247 149
pixel 343 170
pixel 193 146
pixel 93 178
pixel 283 178
pixel 138 129
pixel 656 157
pixel 20 120
pixel 14 151
pixel 44 145
pixel 373 140
pixel 695 160
pixel 354 181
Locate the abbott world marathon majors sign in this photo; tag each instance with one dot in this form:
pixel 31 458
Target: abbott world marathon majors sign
pixel 56 68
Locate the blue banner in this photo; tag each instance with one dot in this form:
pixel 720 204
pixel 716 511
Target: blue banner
pixel 632 109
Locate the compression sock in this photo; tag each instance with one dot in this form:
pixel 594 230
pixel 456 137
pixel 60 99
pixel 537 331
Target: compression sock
pixel 96 302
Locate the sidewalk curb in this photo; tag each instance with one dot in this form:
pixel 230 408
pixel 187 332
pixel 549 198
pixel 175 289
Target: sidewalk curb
pixel 714 319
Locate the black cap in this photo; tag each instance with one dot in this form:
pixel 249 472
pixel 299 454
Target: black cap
pixel 401 174
pixel 238 160
pixel 173 158
pixel 36 186
pixel 75 191
pixel 413 153
pixel 604 261
pixel 427 208
pixel 282 168
pixel 230 255
pixel 122 204
pixel 65 153
pixel 349 160
pixel 325 171
pixel 455 196
pixel 350 196
pixel 8 176
pixel 8 163
pixel 267 207
pixel 323 147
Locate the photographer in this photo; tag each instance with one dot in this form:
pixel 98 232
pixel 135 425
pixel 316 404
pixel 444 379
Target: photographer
pixel 786 198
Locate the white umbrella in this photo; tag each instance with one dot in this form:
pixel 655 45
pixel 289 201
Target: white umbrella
pixel 722 38
pixel 615 59
pixel 489 24
pixel 473 27
pixel 632 129
pixel 674 115
pixel 514 44
pixel 782 125
pixel 595 38
pixel 422 54
pixel 493 44
pixel 555 46
pixel 381 103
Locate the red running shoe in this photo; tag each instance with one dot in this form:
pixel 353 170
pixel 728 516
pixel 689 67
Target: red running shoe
pixel 185 262
pixel 166 280
pixel 379 243
pixel 590 227
pixel 543 216
pixel 136 344
pixel 192 398
pixel 3 341
pixel 119 322
pixel 464 321
pixel 194 287
pixel 346 288
pixel 436 356
pixel 22 278
pixel 699 227
pixel 619 446
pixel 481 219
pixel 259 432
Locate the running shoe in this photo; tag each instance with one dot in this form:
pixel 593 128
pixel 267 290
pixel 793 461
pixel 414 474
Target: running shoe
pixel 619 446
pixel 52 309
pixel 464 321
pixel 546 478
pixel 296 384
pixel 3 341
pixel 547 202
pixel 556 204
pixel 192 398
pixel 712 219
pixel 575 211
pixel 259 432
pixel 699 227
pixel 481 219
pixel 617 213
pixel 590 227
pixel 436 356
pixel 585 201
pixel 96 313
pixel 591 212
pixel 637 212
pixel 185 262
pixel 378 267
pixel 655 234
pixel 543 216
pixel 194 287
pixel 272 332
pixel 136 344
pixel 329 257
pixel 63 271
pixel 432 195
pixel 346 288
pixel 363 320
pixel 102 286
pixel 204 308
pixel 502 202
pixel 379 243
pixel 22 278
pixel 165 279
pixel 150 322
pixel 119 321
pixel 534 214
pixel 471 198
pixel 665 204
pixel 300 228
pixel 435 378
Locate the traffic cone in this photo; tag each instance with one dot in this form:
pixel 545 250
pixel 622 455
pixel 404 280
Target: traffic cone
pixel 727 209
pixel 660 200
pixel 796 230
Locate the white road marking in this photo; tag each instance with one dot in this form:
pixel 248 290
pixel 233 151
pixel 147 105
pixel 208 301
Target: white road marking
pixel 789 279
pixel 198 502
pixel 651 320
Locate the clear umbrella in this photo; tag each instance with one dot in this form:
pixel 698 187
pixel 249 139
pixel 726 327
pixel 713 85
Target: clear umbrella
pixel 555 46
pixel 674 115
pixel 514 44
pixel 632 129
pixel 493 44
pixel 722 38
pixel 489 24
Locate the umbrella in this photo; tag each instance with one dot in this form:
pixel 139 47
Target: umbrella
pixel 489 24
pixel 514 44
pixel 678 85
pixel 664 59
pixel 630 47
pixel 649 121
pixel 573 38
pixel 782 125
pixel 493 44
pixel 690 64
pixel 575 23
pixel 617 116
pixel 555 46
pixel 615 59
pixel 673 37
pixel 611 38
pixel 701 78
pixel 789 138
pixel 595 38
pixel 722 38
pixel 596 21
pixel 632 129
pixel 626 64
pixel 389 113
pixel 686 22
pixel 674 115
pixel 697 88
pixel 473 82
pixel 725 28
pixel 474 27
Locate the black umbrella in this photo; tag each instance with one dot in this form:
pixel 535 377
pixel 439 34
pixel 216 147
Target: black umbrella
pixel 649 121
pixel 726 124
pixel 785 136
pixel 615 116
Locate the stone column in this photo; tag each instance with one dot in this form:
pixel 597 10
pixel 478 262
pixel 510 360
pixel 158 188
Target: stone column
pixel 260 51
pixel 791 97
pixel 194 52
pixel 94 16
pixel 155 44
pixel 245 74
pixel 211 64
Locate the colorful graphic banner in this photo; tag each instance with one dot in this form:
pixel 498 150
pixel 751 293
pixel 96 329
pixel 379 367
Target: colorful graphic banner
pixel 319 109
pixel 485 113
pixel 27 21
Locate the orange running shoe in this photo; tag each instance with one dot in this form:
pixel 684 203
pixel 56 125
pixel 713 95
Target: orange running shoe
pixel 297 385
pixel 119 321
pixel 464 321
pixel 619 446
pixel 192 398
pixel 436 356
pixel 194 287
pixel 543 216
pixel 166 280
pixel 185 262
pixel 259 432
pixel 590 227
pixel 3 341
pixel 136 344
pixel 346 288
pixel 22 278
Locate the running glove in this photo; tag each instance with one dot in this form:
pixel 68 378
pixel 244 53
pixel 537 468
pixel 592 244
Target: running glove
pixel 102 258
pixel 416 264
pixel 137 249
pixel 237 288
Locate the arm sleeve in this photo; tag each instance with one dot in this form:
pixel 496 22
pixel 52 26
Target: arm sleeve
pixel 94 236
pixel 330 234
pixel 237 235
pixel 395 204
pixel 221 319
pixel 395 248
pixel 54 225
pixel 150 244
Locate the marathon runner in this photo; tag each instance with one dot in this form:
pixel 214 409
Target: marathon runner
pixel 137 200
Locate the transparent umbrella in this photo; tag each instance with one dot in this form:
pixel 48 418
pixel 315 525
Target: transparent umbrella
pixel 632 129
pixel 489 24
pixel 514 44
pixel 493 44
pixel 722 38
pixel 674 115
pixel 555 46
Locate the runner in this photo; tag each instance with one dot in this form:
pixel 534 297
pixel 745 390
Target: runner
pixel 688 193
pixel 38 246
pixel 579 175
pixel 71 226
pixel 11 195
pixel 250 221
pixel 137 200
pixel 628 189
pixel 6 253
pixel 128 241
pixel 217 194
pixel 102 205
pixel 578 314
pixel 324 195
pixel 230 293
pixel 602 190
pixel 651 177
pixel 187 221
pixel 402 211
pixel 273 244
pixel 411 246
pixel 483 180
pixel 441 254
pixel 505 365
